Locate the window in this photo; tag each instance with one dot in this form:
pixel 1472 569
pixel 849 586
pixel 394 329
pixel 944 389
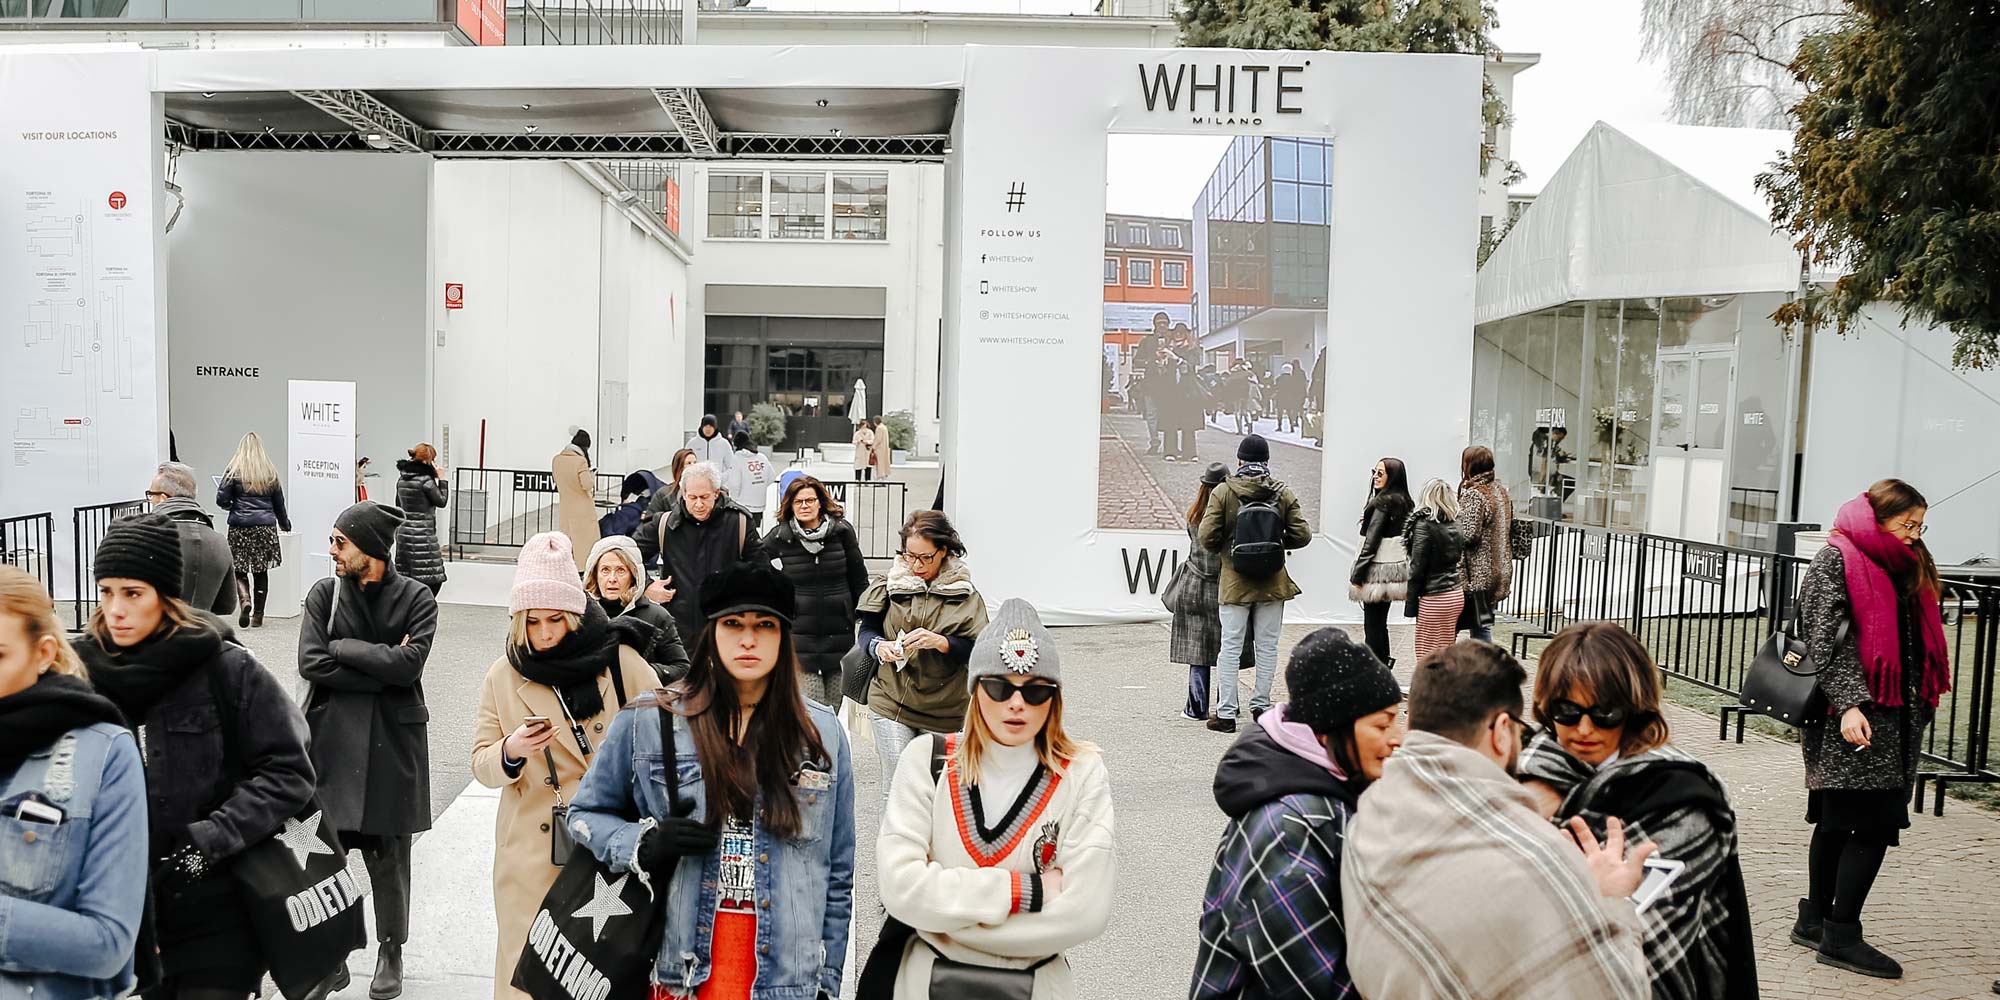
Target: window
pixel 1135 234
pixel 1173 274
pixel 736 206
pixel 1110 270
pixel 1170 237
pixel 860 207
pixel 798 206
pixel 1139 272
pixel 1110 233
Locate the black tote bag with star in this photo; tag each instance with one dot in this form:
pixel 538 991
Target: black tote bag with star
pixel 597 934
pixel 303 904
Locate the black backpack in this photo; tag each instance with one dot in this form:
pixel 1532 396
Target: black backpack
pixel 1258 549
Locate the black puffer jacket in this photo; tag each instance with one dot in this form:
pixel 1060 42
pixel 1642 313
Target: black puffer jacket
pixel 253 510
pixel 421 494
pixel 1436 548
pixel 828 583
pixel 668 655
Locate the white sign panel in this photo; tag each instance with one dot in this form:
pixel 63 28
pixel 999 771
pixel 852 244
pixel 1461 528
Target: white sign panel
pixel 1139 315
pixel 79 147
pixel 319 417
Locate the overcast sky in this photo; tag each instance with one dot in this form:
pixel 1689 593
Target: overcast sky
pixel 1590 70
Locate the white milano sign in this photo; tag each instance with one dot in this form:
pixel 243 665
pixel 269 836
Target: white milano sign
pixel 319 418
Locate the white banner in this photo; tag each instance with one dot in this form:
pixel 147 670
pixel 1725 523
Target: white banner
pixel 79 153
pixel 1139 315
pixel 1024 393
pixel 319 418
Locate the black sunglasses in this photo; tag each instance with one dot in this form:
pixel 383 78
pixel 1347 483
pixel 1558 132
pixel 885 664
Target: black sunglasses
pixel 998 689
pixel 1569 713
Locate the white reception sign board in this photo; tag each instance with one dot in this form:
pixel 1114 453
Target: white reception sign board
pixel 319 418
pixel 79 151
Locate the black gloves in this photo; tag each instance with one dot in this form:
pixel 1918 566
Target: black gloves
pixel 663 846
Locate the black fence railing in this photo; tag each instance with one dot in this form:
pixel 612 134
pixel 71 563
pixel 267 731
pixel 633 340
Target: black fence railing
pixel 1704 611
pixel 87 526
pixel 500 509
pixel 877 510
pixel 28 544
pixel 594 22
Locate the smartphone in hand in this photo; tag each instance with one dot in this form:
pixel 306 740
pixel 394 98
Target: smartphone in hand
pixel 1660 873
pixel 538 723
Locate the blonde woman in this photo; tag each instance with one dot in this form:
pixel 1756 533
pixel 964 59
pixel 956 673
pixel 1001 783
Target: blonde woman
pixel 996 850
pixel 543 711
pixel 255 500
pixel 1436 544
pixel 78 905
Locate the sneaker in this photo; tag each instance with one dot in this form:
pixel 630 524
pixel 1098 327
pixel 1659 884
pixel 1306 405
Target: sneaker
pixel 1222 725
pixel 1170 458
pixel 1842 946
pixel 1191 717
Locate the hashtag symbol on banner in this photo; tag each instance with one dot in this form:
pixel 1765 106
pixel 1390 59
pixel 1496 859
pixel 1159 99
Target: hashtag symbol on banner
pixel 1017 197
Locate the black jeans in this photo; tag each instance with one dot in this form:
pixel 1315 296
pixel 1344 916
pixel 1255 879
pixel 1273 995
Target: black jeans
pixel 388 861
pixel 1375 628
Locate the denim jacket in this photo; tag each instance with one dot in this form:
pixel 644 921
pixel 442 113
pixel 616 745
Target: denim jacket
pixel 805 886
pixel 71 893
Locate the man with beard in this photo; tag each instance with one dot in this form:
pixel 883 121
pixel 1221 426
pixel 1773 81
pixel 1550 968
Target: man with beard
pixel 363 642
pixel 1452 882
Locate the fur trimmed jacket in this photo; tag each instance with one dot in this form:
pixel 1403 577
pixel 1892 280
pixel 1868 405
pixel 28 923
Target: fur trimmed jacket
pixel 1486 517
pixel 1381 571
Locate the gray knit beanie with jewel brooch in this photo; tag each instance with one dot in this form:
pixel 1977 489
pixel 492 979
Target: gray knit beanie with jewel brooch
pixel 1014 642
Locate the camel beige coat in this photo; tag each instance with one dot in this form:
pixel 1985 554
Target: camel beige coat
pixel 864 442
pixel 884 450
pixel 576 501
pixel 522 872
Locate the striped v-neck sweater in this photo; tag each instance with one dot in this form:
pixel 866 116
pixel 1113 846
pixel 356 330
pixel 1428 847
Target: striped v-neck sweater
pixel 971 883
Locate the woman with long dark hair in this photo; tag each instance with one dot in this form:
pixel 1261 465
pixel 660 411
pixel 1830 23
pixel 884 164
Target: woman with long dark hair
pixel 994 908
pixel 1604 751
pixel 1381 571
pixel 751 836
pixel 255 499
pixel 822 555
pixel 1868 609
pixel 165 665
pixel 1197 633
pixel 648 534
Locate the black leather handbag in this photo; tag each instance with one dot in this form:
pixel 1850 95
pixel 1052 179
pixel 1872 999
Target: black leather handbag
pixel 1783 681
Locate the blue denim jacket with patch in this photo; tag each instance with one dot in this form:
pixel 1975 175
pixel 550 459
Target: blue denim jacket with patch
pixel 805 885
pixel 71 893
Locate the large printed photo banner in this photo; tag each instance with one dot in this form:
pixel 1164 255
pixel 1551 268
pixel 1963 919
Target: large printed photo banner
pixel 1282 243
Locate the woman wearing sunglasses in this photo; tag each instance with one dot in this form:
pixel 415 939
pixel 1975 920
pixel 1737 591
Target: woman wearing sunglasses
pixel 996 848
pixel 1603 751
pixel 917 626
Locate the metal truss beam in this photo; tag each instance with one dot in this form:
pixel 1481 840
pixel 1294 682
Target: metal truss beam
pixel 691 119
pixel 199 139
pixel 651 145
pixel 360 111
pixel 915 148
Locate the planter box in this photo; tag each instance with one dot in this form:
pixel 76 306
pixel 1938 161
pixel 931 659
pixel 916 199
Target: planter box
pixel 898 456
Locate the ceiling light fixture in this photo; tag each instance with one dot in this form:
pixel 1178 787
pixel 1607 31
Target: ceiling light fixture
pixel 821 102
pixel 527 107
pixel 208 93
pixel 531 128
pixel 836 133
pixel 376 140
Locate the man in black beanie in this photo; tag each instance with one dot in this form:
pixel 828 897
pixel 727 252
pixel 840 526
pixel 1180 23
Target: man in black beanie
pixel 363 643
pixel 1252 521
pixel 1270 921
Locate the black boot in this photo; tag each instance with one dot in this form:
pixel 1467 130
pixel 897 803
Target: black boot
pixel 257 609
pixel 388 981
pixel 1842 947
pixel 242 601
pixel 1806 933
pixel 333 984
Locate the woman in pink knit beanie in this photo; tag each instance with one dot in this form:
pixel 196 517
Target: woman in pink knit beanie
pixel 546 703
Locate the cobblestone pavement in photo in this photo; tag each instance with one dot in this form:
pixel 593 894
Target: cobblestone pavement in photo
pixel 1299 467
pixel 1127 497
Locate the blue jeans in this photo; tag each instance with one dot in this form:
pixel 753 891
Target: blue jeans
pixel 1483 633
pixel 1261 623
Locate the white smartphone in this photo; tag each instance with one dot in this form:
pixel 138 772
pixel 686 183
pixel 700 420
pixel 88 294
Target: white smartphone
pixel 1660 873
pixel 38 812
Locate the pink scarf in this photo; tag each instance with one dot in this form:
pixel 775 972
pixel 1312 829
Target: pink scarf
pixel 1874 559
pixel 1299 739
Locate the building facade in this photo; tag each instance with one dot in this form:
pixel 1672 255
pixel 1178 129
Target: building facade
pixel 1148 282
pixel 1263 232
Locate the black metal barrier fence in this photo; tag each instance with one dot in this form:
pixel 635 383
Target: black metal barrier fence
pixel 87 527
pixel 877 509
pixel 1705 610
pixel 503 508
pixel 28 543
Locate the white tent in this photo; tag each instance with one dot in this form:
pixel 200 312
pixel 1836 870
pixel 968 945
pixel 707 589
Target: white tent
pixel 1644 212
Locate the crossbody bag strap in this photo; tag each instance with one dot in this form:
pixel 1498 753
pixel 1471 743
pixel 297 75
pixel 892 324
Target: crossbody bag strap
pixel 618 675
pixel 670 755
pixel 225 711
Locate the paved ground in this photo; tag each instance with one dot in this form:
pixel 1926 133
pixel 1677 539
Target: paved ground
pixel 1177 482
pixel 1934 908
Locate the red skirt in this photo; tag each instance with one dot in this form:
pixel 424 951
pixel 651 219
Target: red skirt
pixel 1437 620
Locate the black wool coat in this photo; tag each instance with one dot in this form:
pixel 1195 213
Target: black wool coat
pixel 669 655
pixel 828 583
pixel 365 707
pixel 691 551
pixel 421 494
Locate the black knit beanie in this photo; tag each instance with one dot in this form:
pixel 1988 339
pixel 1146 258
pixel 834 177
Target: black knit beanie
pixel 371 527
pixel 146 548
pixel 1334 680
pixel 1253 449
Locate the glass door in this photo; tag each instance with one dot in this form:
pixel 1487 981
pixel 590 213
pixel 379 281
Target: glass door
pixel 1690 451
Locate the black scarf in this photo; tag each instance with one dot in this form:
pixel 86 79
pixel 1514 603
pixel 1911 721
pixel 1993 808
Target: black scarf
pixel 137 677
pixel 33 718
pixel 573 666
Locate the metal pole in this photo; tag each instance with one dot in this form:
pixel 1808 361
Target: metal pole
pixel 688 8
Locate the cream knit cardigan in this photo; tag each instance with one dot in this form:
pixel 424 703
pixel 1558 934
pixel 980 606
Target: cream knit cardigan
pixel 930 879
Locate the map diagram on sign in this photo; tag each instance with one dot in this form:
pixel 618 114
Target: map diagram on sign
pixel 76 329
